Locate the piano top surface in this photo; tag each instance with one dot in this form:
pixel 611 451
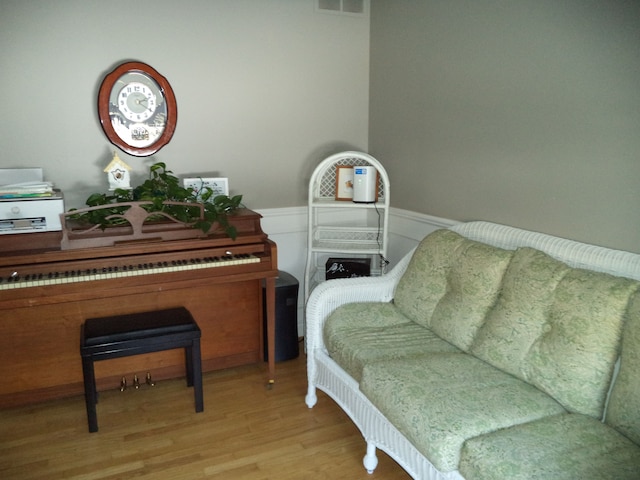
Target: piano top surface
pixel 44 247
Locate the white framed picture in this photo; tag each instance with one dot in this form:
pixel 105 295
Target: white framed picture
pixel 219 186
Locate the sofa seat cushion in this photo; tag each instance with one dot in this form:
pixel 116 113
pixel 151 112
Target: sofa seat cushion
pixel 558 328
pixel 360 333
pixel 439 400
pixel 562 447
pixel 450 285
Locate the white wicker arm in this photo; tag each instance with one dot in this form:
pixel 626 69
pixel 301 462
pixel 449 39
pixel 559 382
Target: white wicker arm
pixel 328 296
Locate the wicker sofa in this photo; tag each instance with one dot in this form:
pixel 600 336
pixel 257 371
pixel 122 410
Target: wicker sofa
pixel 488 352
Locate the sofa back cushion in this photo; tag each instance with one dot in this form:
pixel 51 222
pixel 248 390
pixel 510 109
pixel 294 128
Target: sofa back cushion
pixel 623 412
pixel 424 282
pixel 451 284
pixel 520 315
pixel 558 328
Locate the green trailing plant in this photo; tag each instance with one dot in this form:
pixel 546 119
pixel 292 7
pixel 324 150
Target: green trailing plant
pixel 161 187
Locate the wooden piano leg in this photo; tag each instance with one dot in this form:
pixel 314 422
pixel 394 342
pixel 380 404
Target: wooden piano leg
pixel 90 393
pixel 271 327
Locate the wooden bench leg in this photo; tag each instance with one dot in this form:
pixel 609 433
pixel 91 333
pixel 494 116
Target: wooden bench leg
pixel 90 394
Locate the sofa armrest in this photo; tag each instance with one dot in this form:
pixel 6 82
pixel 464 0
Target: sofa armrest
pixel 328 296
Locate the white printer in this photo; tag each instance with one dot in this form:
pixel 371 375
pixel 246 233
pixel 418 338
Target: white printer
pixel 27 203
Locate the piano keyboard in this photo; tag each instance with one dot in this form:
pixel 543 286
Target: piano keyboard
pixel 16 280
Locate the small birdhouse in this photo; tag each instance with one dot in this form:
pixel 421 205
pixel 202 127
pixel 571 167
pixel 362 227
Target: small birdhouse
pixel 118 173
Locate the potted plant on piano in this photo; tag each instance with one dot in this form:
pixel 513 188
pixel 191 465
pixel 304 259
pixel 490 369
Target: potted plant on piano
pixel 158 208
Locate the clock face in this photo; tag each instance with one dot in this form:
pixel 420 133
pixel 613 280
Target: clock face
pixel 137 102
pixel 137 109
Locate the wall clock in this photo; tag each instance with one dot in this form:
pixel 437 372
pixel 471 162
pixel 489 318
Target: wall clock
pixel 137 109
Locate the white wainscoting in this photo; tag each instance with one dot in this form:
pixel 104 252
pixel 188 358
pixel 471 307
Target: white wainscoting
pixel 407 228
pixel 287 227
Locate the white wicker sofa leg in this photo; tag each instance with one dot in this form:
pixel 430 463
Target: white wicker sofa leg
pixel 311 399
pixel 370 460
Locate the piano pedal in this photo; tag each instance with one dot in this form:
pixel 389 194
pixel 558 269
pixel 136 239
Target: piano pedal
pixel 150 382
pixel 136 383
pixel 270 384
pixel 123 384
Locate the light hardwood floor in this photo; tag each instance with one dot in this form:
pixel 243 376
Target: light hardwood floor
pixel 245 432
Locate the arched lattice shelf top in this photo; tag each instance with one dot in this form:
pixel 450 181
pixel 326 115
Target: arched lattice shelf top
pixel 323 183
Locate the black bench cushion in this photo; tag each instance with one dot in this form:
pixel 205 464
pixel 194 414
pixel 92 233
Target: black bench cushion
pixel 119 328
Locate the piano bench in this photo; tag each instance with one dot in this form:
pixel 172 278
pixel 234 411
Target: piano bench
pixel 133 334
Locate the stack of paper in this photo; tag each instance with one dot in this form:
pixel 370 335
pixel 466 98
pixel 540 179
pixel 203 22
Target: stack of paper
pixel 26 190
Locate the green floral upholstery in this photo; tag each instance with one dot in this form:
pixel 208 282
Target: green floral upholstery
pixel 473 285
pixel 560 447
pixel 498 363
pixel 574 360
pixel 360 333
pixel 558 328
pixel 452 285
pixel 424 282
pixel 520 315
pixel 439 400
pixel 623 412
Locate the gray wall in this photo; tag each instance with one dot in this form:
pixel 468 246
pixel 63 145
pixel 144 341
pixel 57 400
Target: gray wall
pixel 523 112
pixel 265 89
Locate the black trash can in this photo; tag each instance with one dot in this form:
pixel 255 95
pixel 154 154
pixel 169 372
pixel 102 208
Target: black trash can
pixel 287 347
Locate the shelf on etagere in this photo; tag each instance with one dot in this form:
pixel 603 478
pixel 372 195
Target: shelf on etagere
pixel 332 202
pixel 338 236
pixel 336 245
pixel 344 248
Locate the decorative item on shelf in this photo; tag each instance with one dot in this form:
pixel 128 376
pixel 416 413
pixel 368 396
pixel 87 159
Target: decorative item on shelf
pixel 137 109
pixel 365 184
pixel 344 182
pixel 159 208
pixel 218 186
pixel 118 173
pixel 347 268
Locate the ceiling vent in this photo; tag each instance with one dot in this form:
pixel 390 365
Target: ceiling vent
pixel 351 7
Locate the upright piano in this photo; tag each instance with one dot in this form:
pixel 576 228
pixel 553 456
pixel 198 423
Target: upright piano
pixel 46 293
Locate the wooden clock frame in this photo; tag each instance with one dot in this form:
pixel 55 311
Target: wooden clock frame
pixel 104 95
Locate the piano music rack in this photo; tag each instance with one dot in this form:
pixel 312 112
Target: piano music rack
pixel 136 226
